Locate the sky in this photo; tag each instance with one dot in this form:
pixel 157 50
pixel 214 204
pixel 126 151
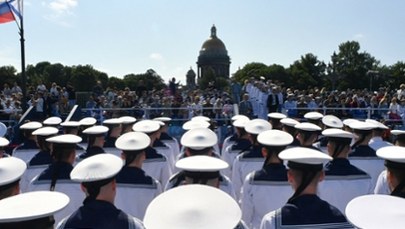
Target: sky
pixel 132 36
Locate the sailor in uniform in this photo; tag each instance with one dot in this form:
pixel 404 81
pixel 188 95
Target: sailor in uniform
pixel 305 209
pixel 155 164
pixel 72 127
pixel 275 118
pixel 196 206
pixel 199 142
pixel 4 142
pixel 193 124
pixel 340 176
pixel 84 124
pixel 314 118
pixel 165 137
pixel 230 140
pixel 328 121
pixel 288 126
pixel 267 189
pixel 162 147
pixel 251 159
pixel 97 177
pixel 52 121
pixel 399 139
pixel 95 141
pixel 12 169
pixel 114 131
pixel 126 123
pixel 28 148
pixel 377 142
pixel 56 176
pixel 33 210
pixel 135 189
pixel 307 134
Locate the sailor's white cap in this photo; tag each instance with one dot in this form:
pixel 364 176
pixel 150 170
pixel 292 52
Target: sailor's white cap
pixel 11 169
pixel 3 129
pixel 360 125
pixel 163 119
pixel 347 121
pixel 193 124
pixel 332 121
pixel 97 167
pixel 235 117
pixel 199 138
pixel 256 126
pixel 127 119
pixel 31 126
pixel 96 130
pixel 275 138
pixel 31 205
pixel 240 123
pixel 397 132
pixel 4 142
pixel 276 115
pixel 392 153
pixel 201 207
pixel 201 163
pixel 376 211
pixel 52 121
pixel 132 141
pixel 337 133
pixel 112 121
pixel 65 139
pixel 146 126
pixel 70 124
pixel 46 131
pixel 304 155
pixel 306 126
pixel 313 115
pixel 289 122
pixel 160 123
pixel 378 124
pixel 201 118
pixel 88 121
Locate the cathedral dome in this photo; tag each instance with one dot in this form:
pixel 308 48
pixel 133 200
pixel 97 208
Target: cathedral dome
pixel 213 46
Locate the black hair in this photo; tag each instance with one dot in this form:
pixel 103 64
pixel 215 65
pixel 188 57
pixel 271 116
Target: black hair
pixel 340 144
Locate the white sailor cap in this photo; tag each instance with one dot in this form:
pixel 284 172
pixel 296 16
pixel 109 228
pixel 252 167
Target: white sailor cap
pixel 240 123
pixel 347 121
pixel 256 126
pixel 394 154
pixel 199 138
pixel 303 155
pixel 193 124
pixel 31 205
pixel 112 121
pixel 146 126
pixel 70 124
pixel 201 163
pixel 3 129
pixel 276 115
pixel 337 133
pixel 235 117
pixel 378 125
pixel 4 142
pixel 376 211
pixel 96 168
pixel 332 121
pixel 306 126
pixel 313 115
pixel 160 123
pixel 127 119
pixel 163 119
pixel 201 118
pixel 397 132
pixel 289 122
pixel 132 141
pixel 31 126
pixel 46 131
pixel 65 139
pixel 360 125
pixel 88 121
pixel 275 138
pixel 199 208
pixel 52 121
pixel 11 169
pixel 96 130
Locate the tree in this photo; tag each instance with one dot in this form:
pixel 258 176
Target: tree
pixel 7 75
pixel 83 77
pixel 397 73
pixel 151 79
pixel 308 72
pixel 254 70
pixel 55 73
pixel 114 82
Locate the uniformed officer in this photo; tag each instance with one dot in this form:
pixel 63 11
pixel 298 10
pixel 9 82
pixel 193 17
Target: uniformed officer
pixel 252 158
pixel 4 142
pixel 267 189
pixel 341 176
pixel 305 209
pixel 84 124
pixel 328 121
pixel 95 141
pixel 198 123
pixel 230 140
pixel 114 131
pixel 135 188
pixel 97 177
pixel 307 134
pixel 33 210
pixel 12 170
pixel 274 119
pixel 399 137
pixel 288 126
pixel 29 142
pixel 52 121
pixel 165 137
pixel 377 142
pixel 70 127
pixel 162 147
pixel 193 206
pixel 314 118
pixel 394 157
pixel 376 211
pixel 127 123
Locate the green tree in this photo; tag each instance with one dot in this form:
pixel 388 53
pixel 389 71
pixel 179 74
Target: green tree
pixel 114 82
pixel 254 70
pixel 84 77
pixel 55 73
pixel 307 72
pixel 7 75
pixel 150 78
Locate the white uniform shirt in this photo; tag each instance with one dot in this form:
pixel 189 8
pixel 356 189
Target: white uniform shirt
pixel 377 143
pixel 382 186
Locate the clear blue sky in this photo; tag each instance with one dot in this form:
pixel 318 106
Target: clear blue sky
pixel 131 36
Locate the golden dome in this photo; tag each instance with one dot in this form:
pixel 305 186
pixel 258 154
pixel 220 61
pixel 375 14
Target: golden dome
pixel 213 45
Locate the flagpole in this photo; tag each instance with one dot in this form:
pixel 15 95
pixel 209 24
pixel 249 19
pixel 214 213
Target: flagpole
pixel 23 75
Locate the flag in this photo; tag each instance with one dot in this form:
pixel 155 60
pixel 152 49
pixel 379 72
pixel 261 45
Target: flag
pixel 10 10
